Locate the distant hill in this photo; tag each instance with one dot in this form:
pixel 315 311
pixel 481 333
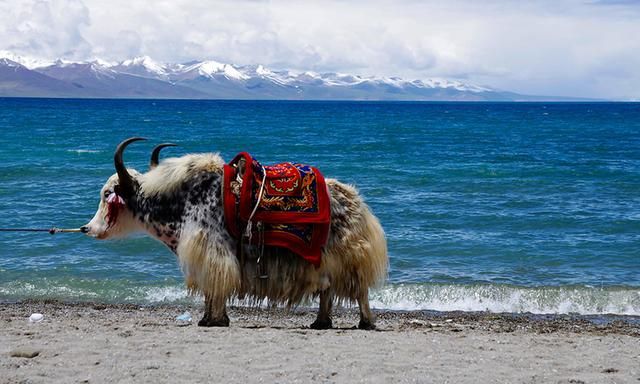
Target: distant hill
pixel 142 77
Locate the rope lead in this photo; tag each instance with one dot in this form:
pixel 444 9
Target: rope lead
pixel 52 230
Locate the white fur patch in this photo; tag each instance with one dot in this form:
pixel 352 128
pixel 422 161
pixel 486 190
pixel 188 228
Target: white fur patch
pixel 170 173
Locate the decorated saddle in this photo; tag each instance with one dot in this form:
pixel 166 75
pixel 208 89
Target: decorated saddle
pixel 284 205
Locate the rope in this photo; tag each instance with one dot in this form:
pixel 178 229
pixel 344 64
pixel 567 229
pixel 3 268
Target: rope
pixel 52 231
pixel 247 232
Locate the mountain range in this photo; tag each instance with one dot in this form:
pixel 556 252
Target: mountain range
pixel 142 77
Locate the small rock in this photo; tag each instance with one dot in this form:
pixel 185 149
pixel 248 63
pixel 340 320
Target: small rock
pixel 610 370
pixel 36 318
pixel 25 352
pixel 184 319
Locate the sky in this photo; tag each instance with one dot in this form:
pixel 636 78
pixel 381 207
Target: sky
pixel 550 48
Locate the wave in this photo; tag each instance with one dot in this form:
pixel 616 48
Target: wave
pixel 582 300
pixel 90 290
pixel 84 150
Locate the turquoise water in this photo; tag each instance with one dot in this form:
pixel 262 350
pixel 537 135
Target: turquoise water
pixel 500 206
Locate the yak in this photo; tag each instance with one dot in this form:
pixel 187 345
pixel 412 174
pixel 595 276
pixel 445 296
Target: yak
pixel 179 202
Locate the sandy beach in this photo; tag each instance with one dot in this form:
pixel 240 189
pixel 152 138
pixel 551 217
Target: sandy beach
pixel 97 343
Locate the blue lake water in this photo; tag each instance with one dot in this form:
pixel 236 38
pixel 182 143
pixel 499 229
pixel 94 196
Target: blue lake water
pixel 486 206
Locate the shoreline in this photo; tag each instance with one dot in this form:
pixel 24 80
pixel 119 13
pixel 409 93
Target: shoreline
pixel 442 297
pixel 386 319
pixel 95 342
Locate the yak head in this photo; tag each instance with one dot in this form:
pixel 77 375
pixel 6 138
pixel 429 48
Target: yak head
pixel 119 196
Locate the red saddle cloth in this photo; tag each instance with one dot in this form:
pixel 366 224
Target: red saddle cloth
pixel 293 211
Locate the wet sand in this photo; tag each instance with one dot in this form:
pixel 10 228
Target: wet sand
pixel 97 343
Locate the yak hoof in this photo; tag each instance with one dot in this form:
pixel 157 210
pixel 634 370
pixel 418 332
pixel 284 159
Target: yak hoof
pixel 366 325
pixel 321 324
pixel 207 322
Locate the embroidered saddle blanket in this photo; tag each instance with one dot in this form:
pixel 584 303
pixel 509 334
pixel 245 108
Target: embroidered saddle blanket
pixel 291 210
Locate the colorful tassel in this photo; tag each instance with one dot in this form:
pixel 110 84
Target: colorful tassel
pixel 115 204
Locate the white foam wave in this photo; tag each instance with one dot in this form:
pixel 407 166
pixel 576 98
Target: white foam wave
pixel 26 290
pixel 503 298
pixel 83 150
pixel 171 294
pixel 437 297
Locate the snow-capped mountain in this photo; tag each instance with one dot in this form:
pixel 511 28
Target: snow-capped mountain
pixel 143 77
pixel 28 62
pixel 208 69
pixel 19 81
pixel 142 66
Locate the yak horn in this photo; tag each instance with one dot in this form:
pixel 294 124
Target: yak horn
pixel 155 155
pixel 125 181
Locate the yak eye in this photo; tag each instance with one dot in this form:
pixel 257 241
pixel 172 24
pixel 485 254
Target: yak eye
pixel 107 193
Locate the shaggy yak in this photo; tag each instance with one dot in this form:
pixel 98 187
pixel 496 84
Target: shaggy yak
pixel 180 203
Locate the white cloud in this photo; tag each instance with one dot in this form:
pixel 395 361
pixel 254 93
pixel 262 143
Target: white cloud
pixel 548 47
pixel 44 29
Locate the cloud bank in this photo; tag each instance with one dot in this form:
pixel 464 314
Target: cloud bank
pixel 563 48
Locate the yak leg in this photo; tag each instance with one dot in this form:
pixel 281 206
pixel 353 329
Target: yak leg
pixel 323 320
pixel 215 312
pixel 207 311
pixel 367 319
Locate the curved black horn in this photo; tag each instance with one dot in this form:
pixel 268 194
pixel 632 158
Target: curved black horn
pixel 155 155
pixel 125 183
